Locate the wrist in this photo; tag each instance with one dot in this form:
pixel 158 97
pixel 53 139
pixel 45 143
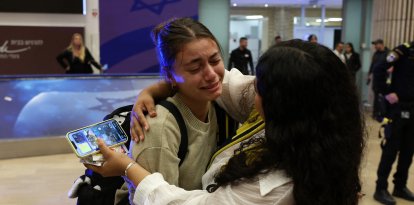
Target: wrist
pixel 128 167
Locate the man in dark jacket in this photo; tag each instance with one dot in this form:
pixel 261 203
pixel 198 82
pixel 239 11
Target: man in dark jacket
pixel 399 134
pixel 378 59
pixel 240 57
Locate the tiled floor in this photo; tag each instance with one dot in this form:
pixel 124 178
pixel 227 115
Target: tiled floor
pixel 46 180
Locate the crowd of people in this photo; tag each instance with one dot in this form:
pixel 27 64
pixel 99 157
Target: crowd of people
pixel 303 153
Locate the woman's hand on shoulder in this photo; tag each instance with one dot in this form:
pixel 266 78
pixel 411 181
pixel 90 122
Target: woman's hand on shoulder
pixel 144 105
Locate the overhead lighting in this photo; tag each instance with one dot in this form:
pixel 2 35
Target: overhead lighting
pixel 320 20
pixel 335 19
pixel 329 20
pixel 266 5
pixel 254 17
pixel 307 24
pixel 234 4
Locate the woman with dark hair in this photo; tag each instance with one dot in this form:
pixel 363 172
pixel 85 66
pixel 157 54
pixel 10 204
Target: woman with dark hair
pixel 310 152
pixel 352 59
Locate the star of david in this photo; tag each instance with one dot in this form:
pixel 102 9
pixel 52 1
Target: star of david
pixel 107 103
pixel 154 7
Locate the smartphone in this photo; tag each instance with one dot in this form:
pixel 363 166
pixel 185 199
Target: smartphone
pixel 83 140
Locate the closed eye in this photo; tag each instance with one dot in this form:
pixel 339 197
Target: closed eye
pixel 215 61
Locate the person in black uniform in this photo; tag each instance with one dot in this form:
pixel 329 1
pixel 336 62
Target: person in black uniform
pixel 240 57
pixel 77 58
pixel 378 59
pixel 399 134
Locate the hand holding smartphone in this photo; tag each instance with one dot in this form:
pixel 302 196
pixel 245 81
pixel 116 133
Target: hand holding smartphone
pixel 83 140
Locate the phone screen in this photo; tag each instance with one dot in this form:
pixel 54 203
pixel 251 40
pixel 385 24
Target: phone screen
pixel 84 140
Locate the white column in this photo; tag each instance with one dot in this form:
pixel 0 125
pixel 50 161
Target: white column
pixel 302 16
pixel 215 14
pixel 322 29
pixel 92 28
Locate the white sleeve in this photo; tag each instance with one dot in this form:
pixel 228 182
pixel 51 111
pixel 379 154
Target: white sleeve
pixel 154 190
pixel 237 97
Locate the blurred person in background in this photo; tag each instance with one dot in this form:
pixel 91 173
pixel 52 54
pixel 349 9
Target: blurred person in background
pixel 313 38
pixel 76 58
pixel 378 59
pixel 241 57
pixel 339 49
pixel 352 59
pixel 278 39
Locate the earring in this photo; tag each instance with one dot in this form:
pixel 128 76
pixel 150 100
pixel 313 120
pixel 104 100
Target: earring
pixel 174 87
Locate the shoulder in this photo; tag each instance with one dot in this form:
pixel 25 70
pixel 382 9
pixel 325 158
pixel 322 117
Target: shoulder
pixel 87 51
pixel 235 76
pixel 274 180
pixel 65 54
pixel 66 51
pixel 163 132
pixel 164 117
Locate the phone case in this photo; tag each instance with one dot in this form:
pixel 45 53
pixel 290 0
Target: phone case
pixel 85 139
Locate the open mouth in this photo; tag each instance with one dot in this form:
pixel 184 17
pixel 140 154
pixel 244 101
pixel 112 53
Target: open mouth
pixel 212 86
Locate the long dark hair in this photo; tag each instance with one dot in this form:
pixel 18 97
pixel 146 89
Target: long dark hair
pixel 170 37
pixel 351 46
pixel 314 126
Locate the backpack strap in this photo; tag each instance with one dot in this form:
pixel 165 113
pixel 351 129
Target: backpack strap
pixel 182 151
pixel 123 116
pixel 227 126
pixel 127 108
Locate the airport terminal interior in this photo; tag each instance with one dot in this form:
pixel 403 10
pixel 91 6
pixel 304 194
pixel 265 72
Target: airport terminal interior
pixel 43 97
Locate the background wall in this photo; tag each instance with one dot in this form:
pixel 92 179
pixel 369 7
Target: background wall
pixel 33 49
pixel 280 21
pixel 89 22
pixel 126 45
pixel 393 21
pixel 215 15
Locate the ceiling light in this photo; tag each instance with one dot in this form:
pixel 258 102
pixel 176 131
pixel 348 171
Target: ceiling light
pixel 234 4
pixel 320 20
pixel 335 19
pixel 266 5
pixel 254 17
